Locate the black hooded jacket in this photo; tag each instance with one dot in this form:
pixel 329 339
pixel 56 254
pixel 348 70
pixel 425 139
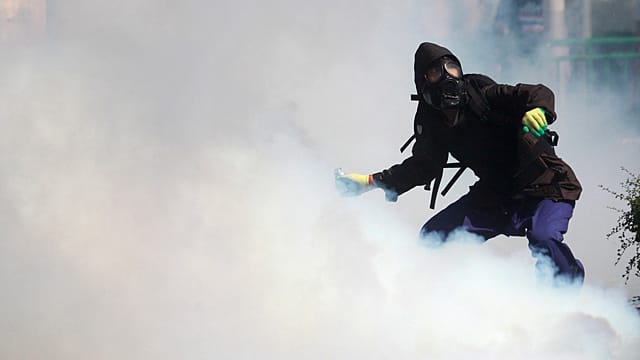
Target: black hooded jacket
pixel 487 138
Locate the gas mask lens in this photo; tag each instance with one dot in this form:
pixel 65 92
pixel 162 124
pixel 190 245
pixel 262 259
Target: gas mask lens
pixel 453 69
pixel 435 73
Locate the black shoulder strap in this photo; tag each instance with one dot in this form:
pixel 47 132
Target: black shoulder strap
pixel 414 97
pixel 477 102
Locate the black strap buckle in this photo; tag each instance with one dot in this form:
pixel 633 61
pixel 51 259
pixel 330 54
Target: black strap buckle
pixel 553 137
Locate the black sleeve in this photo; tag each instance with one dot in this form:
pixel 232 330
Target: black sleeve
pixel 518 99
pixel 421 168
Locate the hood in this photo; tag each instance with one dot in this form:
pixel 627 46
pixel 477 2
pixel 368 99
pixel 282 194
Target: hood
pixel 427 53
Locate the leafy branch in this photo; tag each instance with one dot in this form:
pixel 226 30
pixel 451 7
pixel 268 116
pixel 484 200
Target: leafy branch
pixel 627 228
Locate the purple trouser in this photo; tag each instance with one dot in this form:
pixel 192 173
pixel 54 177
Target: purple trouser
pixel 543 221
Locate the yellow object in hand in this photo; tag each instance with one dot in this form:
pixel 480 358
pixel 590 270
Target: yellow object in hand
pixel 536 121
pixel 353 184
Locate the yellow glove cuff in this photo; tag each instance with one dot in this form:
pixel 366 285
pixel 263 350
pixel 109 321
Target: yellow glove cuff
pixel 364 180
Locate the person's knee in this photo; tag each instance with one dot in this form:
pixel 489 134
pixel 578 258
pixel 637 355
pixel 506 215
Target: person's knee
pixel 436 226
pixel 544 235
pixel 432 237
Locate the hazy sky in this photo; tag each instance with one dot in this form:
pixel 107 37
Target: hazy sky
pixel 166 176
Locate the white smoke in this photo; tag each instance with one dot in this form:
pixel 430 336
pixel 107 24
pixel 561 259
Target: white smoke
pixel 167 193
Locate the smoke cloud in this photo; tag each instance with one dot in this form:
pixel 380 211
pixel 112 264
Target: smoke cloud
pixel 167 193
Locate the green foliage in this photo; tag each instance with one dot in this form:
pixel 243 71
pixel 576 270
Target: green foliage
pixel 627 228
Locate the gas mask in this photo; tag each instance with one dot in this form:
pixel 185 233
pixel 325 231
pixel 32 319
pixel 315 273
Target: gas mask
pixel 444 87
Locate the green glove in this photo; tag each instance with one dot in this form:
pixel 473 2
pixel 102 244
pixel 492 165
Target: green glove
pixel 535 120
pixel 353 184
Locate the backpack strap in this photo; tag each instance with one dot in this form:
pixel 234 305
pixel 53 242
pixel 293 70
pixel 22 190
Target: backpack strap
pixel 455 177
pixel 477 102
pixel 407 143
pixel 434 191
pixel 414 97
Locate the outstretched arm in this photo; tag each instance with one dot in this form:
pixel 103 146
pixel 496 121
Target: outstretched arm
pixel 419 169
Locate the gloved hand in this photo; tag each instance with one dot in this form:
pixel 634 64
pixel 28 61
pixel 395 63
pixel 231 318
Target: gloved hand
pixel 534 120
pixel 353 184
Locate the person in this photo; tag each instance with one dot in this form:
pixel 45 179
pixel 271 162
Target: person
pixel 501 133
